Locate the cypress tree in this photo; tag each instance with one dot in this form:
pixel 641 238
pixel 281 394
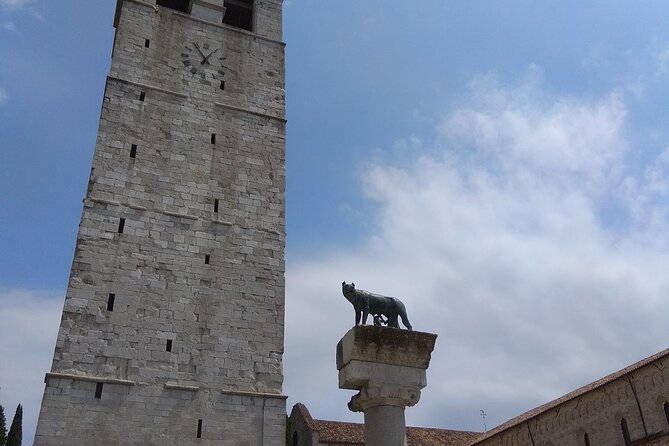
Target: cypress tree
pixel 15 431
pixel 3 427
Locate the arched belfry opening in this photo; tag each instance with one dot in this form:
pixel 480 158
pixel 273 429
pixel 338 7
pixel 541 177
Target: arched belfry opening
pixel 177 5
pixel 239 13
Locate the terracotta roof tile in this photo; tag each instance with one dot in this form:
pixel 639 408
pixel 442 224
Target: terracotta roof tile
pixel 354 434
pixel 338 432
pixel 422 436
pixel 570 396
pixel 662 441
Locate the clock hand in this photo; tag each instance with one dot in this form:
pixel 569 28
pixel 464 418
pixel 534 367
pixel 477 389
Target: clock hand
pixel 206 59
pixel 200 51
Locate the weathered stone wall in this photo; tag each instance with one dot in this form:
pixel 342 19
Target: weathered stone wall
pixel 598 413
pixel 195 169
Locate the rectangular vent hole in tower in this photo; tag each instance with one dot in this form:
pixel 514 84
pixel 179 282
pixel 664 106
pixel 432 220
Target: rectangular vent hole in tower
pixel 239 13
pixel 199 428
pixel 98 391
pixel 206 259
pixel 213 138
pixel 142 96
pixel 216 205
pixel 147 43
pixel 168 347
pixel 177 5
pixel 133 150
pixel 110 301
pixel 222 85
pixel 121 225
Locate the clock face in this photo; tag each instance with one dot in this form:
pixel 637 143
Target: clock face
pixel 203 61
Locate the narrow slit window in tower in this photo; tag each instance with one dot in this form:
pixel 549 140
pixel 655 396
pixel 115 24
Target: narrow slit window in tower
pixel 239 13
pixel 121 225
pixel 142 96
pixel 177 5
pixel 626 432
pixel 666 411
pixel 216 205
pixel 133 150
pixel 222 85
pixel 98 391
pixel 206 259
pixel 213 138
pixel 586 439
pixel 199 428
pixel 147 43
pixel 168 347
pixel 110 301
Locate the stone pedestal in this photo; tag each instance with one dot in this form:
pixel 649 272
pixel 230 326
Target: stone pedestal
pixel 388 367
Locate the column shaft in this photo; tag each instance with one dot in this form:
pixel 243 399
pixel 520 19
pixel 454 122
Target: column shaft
pixel 385 426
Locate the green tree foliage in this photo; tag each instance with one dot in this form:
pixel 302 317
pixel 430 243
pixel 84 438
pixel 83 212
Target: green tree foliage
pixel 3 427
pixel 289 439
pixel 15 431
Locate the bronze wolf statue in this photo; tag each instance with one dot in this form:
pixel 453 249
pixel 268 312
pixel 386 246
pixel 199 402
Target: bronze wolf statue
pixel 366 303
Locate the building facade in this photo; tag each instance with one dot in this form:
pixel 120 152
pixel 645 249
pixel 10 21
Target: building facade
pixel 172 327
pixel 629 407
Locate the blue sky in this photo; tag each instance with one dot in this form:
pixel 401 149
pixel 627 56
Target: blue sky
pixel 500 165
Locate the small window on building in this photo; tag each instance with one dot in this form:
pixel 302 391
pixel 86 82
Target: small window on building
pixel 199 428
pixel 142 96
pixel 177 5
pixel 213 138
pixel 239 13
pixel 626 432
pixel 206 259
pixel 216 211
pixel 222 85
pixel 133 150
pixel 586 439
pixel 121 225
pixel 666 411
pixel 168 347
pixel 110 301
pixel 295 439
pixel 147 43
pixel 98 391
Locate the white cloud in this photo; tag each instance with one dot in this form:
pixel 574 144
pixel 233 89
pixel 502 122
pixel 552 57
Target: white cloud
pixel 8 26
pixel 662 59
pixel 4 96
pixel 15 4
pixel 499 239
pixel 27 340
pixel 496 233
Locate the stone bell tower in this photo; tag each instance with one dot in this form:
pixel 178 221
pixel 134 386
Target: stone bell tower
pixel 173 322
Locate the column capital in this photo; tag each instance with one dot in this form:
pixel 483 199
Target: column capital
pixel 384 395
pixel 387 365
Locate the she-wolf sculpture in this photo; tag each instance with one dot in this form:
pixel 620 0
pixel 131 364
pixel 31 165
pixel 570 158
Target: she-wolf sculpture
pixel 366 303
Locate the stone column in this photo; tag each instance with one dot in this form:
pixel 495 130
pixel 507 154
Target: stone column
pixel 388 367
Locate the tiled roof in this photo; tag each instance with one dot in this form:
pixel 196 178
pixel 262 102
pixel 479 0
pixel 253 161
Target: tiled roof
pixel 572 395
pixel 422 436
pixel 662 441
pixel 338 432
pixel 354 434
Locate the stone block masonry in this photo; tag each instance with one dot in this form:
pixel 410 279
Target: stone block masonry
pixel 183 223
